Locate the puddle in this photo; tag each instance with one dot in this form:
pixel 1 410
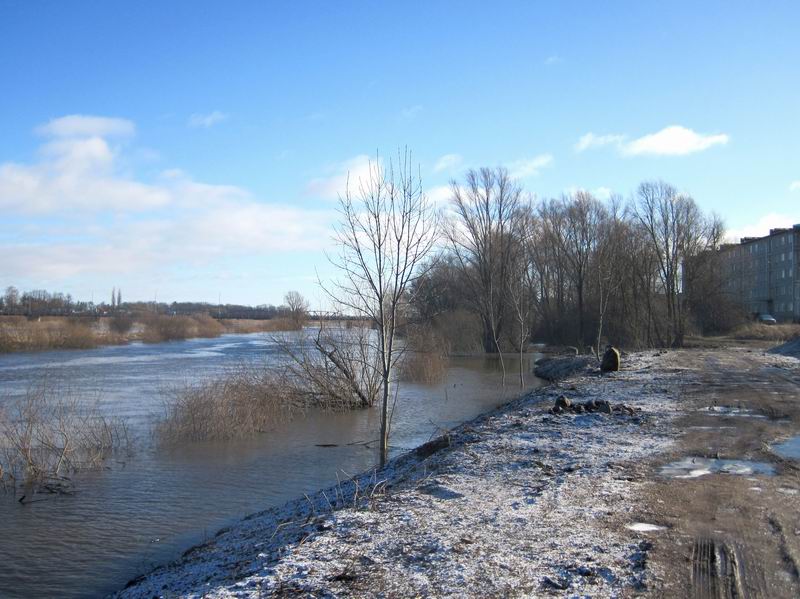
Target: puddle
pixel 696 467
pixel 788 449
pixel 731 411
pixel 644 527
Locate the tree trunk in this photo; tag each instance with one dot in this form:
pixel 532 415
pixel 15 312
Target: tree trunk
pixel 385 422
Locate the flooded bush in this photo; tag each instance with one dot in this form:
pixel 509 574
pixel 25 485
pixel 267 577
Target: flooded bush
pixel 424 358
pixel 460 330
pixel 48 434
pixel 242 403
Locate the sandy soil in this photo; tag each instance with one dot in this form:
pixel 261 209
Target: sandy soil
pixel 522 502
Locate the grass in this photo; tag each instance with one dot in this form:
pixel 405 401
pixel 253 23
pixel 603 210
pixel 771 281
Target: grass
pixel 767 332
pixel 246 325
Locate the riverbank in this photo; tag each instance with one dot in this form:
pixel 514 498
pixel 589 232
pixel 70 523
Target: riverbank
pixel 518 501
pixel 19 334
pixel 688 495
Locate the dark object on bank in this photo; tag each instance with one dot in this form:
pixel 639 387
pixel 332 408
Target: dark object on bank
pixel 610 362
pixel 602 406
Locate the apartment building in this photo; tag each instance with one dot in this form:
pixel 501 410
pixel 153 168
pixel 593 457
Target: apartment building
pixel 763 273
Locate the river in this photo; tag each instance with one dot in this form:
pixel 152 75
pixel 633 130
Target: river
pixel 146 508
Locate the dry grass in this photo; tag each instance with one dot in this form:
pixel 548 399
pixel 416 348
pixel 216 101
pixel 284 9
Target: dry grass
pixel 767 332
pixel 160 327
pixel 20 334
pixel 273 325
pixel 49 434
pixel 244 402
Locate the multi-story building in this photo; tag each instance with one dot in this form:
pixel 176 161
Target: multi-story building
pixel 763 273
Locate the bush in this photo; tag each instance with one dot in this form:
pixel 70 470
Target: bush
pixel 48 434
pixel 424 356
pixel 240 404
pixel 767 332
pixel 121 324
pixel 460 331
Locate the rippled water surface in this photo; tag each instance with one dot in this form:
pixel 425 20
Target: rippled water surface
pixel 147 508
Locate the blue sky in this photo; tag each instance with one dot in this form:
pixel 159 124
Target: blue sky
pixel 195 149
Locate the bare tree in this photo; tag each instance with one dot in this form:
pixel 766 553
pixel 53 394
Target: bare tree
pixel 387 228
pixel 483 241
pixel 298 308
pixel 521 286
pixel 677 231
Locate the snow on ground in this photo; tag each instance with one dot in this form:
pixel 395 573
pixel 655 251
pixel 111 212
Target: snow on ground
pixel 518 502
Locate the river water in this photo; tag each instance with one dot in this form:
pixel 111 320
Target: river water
pixel 146 508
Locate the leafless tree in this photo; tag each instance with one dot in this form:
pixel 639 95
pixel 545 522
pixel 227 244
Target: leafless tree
pixel 677 231
pixel 387 229
pixel 482 238
pixel 298 308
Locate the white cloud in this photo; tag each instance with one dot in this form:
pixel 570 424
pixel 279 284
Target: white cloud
pixel 552 59
pixel 601 193
pixel 356 171
pixel 670 141
pixel 447 162
pixel 673 141
pixel 520 169
pixel 79 125
pixel 102 220
pixel 760 228
pixel 794 186
pixel 590 140
pixel 410 112
pixel 200 120
pixel 440 195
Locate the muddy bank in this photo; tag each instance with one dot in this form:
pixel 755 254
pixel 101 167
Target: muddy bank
pixel 517 502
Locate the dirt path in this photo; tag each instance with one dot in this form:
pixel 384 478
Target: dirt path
pixel 730 535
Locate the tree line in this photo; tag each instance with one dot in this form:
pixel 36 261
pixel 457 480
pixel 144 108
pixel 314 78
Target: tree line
pixel 571 270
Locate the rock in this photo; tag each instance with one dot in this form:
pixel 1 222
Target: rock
pixel 563 403
pixel 604 407
pixel 610 362
pixel 578 408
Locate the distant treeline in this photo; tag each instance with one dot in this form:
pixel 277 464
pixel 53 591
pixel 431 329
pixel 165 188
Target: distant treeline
pixel 40 302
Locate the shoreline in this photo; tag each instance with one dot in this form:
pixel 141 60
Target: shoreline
pixel 515 498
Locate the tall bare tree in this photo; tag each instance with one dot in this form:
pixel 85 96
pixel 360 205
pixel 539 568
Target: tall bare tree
pixel 387 228
pixel 677 231
pixel 482 237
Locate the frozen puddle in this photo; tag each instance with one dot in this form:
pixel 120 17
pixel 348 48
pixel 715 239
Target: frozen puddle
pixel 696 467
pixel 788 449
pixel 731 411
pixel 644 527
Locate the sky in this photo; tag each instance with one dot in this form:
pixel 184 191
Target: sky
pixel 192 150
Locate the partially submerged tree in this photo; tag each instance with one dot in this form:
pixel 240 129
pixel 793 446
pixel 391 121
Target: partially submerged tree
pixel 387 229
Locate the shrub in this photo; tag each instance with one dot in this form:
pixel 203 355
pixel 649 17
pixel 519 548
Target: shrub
pixel 240 404
pixel 48 434
pixel 424 357
pixel 121 324
pixel 767 332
